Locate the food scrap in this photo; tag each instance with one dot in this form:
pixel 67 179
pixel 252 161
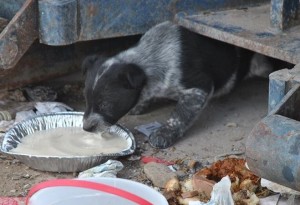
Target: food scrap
pixel 245 186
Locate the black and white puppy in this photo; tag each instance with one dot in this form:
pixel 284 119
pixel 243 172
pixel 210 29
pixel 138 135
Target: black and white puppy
pixel 168 62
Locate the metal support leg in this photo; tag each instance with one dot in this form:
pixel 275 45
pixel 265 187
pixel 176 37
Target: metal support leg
pixel 283 12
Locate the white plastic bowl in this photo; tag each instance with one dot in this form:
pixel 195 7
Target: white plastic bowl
pixel 81 196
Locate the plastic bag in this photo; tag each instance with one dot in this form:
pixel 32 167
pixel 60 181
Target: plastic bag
pixel 220 195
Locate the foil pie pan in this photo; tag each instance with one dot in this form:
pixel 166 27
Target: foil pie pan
pixel 60 163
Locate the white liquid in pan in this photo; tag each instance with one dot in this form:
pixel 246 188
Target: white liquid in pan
pixel 70 141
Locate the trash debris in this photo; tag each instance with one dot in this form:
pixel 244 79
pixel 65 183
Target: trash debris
pixel 23 115
pixel 42 108
pixel 221 194
pixel 147 159
pixel 240 185
pixel 10 114
pixel 159 174
pixel 277 188
pixel 173 185
pixel 245 197
pixel 270 200
pixel 202 184
pixel 51 107
pixel 134 157
pixel 30 109
pixel 147 129
pixel 40 93
pixel 12 95
pixel 108 169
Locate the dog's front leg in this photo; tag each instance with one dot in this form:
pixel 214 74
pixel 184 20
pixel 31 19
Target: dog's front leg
pixel 140 107
pixel 190 104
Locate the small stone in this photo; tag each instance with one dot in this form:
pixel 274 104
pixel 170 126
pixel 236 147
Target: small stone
pixel 27 176
pixel 16 177
pixel 15 161
pixel 13 191
pixel 159 174
pixel 26 186
pixel 231 124
pixel 134 158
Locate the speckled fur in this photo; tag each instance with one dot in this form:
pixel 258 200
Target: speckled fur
pixel 178 65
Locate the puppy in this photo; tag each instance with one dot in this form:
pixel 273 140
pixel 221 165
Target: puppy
pixel 171 62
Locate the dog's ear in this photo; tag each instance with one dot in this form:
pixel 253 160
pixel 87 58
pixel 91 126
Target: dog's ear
pixel 89 62
pixel 132 77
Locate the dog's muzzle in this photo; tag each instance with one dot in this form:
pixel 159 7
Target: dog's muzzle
pixel 95 123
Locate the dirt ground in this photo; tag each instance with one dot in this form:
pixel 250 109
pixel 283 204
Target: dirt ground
pixel 221 130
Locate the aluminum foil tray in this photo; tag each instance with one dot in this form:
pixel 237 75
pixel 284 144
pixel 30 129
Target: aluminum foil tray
pixel 60 163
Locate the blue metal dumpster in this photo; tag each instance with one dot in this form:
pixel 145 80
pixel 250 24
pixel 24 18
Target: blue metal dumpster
pixel 63 22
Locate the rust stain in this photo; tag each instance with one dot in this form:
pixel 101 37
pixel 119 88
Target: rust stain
pixel 92 10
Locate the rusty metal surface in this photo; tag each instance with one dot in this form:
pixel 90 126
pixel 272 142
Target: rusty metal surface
pixel 9 8
pixel 67 21
pixel 3 23
pixel 273 150
pixel 18 35
pixel 280 83
pixel 289 104
pixel 283 13
pixel 63 22
pixel 273 146
pixel 58 23
pixel 248 28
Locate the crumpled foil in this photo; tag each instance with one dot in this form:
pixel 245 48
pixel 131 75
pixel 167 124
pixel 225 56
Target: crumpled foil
pixel 107 169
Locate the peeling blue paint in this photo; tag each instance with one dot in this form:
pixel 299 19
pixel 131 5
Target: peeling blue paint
pixel 265 34
pixel 98 19
pixel 283 12
pixel 229 29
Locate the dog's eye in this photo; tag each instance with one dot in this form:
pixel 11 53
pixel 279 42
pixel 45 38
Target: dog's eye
pixel 104 105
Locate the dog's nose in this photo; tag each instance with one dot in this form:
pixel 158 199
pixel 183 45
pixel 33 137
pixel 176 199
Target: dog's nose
pixel 89 125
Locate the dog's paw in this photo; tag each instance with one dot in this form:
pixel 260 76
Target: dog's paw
pixel 163 138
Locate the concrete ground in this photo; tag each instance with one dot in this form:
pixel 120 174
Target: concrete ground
pixel 222 128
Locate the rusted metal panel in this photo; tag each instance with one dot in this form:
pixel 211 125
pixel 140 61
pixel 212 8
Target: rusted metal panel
pixel 58 21
pixel 273 150
pixel 280 83
pixel 3 23
pixel 18 35
pixel 273 146
pixel 283 13
pixel 247 28
pixel 9 8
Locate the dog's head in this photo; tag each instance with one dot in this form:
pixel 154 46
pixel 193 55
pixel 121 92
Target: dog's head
pixel 111 90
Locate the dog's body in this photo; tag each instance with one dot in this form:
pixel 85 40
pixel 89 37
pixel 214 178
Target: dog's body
pixel 168 62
